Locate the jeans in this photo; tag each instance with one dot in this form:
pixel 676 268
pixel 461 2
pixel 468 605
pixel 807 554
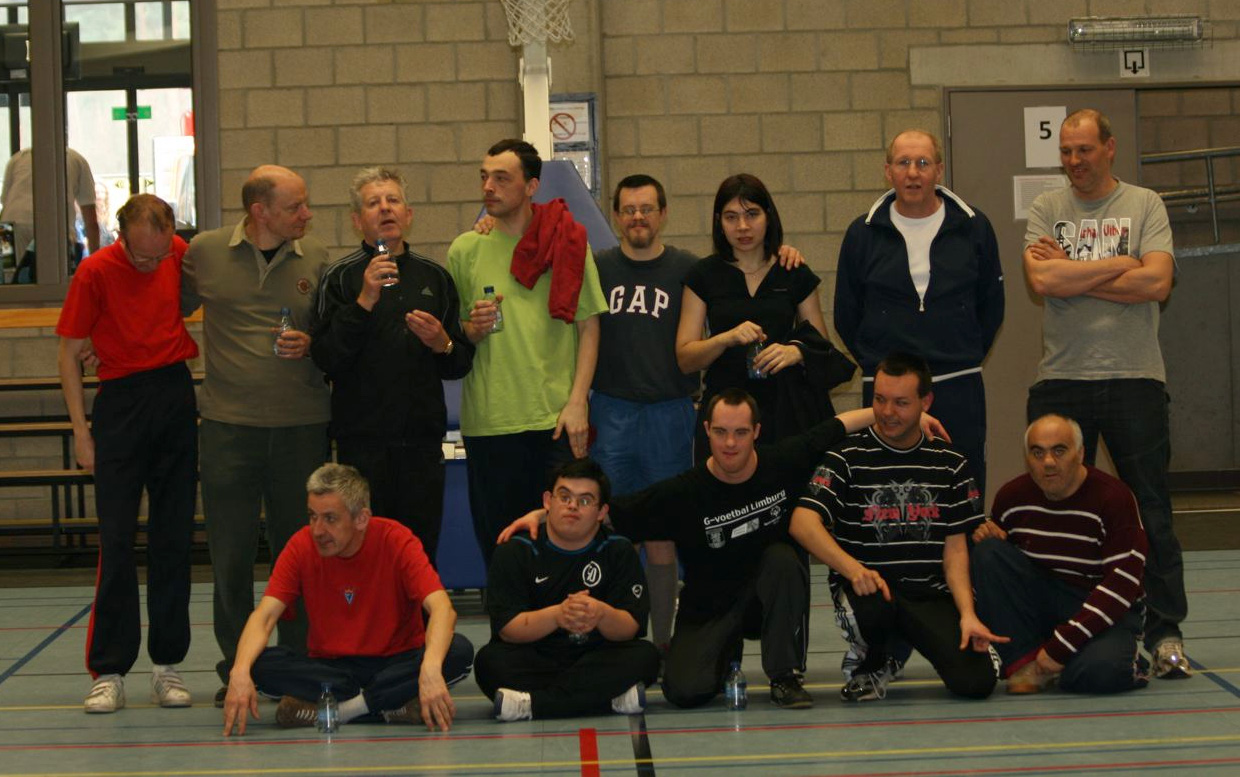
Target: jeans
pixel 638 443
pixel 1018 599
pixel 386 682
pixel 1131 415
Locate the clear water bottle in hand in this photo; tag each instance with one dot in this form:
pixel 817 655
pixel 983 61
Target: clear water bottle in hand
pixel 735 688
pixel 329 713
pixel 751 355
pixel 384 255
pixel 488 293
pixel 286 324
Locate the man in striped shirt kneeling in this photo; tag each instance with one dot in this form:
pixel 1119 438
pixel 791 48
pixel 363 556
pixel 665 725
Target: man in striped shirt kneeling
pixel 1058 569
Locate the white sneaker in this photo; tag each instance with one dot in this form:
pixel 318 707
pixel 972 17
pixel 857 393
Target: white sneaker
pixel 106 695
pixel 631 702
pixel 167 687
pixel 512 705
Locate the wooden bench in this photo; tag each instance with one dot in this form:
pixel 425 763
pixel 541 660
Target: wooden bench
pixel 55 479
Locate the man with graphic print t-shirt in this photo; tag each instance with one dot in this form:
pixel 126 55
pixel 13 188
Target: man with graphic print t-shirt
pixel 568 610
pixel 1100 254
pixel 897 510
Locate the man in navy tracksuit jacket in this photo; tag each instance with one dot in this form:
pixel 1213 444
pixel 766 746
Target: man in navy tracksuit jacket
pixel 920 273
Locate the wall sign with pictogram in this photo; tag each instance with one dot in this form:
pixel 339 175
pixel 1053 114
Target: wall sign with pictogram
pixel 573 135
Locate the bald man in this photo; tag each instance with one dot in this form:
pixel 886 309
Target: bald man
pixel 264 406
pixel 919 272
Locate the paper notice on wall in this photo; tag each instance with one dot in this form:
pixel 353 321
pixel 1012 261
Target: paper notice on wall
pixel 1026 188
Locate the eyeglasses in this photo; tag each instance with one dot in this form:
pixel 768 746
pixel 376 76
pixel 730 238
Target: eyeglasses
pixel 144 259
pixel 568 499
pixel 922 163
pixel 646 210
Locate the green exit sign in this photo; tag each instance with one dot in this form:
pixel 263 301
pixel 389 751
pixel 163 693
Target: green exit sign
pixel 123 114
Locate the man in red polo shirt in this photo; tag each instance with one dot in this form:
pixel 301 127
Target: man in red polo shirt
pixel 365 583
pixel 125 299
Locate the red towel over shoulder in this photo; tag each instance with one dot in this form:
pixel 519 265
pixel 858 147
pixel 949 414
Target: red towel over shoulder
pixel 553 239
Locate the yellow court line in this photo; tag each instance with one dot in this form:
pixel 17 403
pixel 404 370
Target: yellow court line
pixel 1039 747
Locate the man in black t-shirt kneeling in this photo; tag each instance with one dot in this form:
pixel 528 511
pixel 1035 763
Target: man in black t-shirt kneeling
pixel 568 610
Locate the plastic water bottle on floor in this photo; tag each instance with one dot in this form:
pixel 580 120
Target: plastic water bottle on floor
pixel 735 688
pixel 329 713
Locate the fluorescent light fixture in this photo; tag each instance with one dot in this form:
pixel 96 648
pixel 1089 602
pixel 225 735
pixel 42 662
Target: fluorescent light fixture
pixel 1115 32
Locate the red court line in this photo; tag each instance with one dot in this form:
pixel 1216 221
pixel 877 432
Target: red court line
pixel 728 729
pixel 587 743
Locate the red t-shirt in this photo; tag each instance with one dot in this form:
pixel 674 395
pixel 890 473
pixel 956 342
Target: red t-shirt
pixel 132 318
pixel 366 605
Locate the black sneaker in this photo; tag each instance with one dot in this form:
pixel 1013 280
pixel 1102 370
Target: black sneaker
pixel 866 686
pixel 788 693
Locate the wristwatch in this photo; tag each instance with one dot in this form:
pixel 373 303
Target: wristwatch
pixel 448 349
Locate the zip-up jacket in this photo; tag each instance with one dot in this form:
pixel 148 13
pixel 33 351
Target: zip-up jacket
pixel 385 383
pixel 877 308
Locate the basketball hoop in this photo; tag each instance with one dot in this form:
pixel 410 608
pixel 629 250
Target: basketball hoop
pixel 531 21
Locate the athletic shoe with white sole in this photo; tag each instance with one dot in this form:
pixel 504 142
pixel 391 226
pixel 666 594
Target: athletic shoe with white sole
pixel 631 702
pixel 168 689
pixel 106 695
pixel 512 705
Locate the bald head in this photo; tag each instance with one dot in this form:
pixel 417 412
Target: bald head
pixel 276 205
pixel 262 182
pixel 916 134
pixel 1055 455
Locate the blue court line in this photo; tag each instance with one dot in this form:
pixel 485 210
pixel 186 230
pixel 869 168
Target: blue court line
pixel 49 639
pixel 1214 678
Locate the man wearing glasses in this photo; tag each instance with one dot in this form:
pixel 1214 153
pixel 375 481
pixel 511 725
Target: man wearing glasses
pixel 125 300
pixel 920 273
pixel 568 610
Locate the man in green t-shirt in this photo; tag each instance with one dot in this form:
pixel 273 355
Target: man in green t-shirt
pixel 524 403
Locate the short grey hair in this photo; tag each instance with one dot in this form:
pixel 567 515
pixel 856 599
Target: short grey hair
pixel 369 175
pixel 1077 436
pixel 343 480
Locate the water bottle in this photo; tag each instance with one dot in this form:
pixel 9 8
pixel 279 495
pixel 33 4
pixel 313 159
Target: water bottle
pixel 329 713
pixel 751 353
pixel 383 254
pixel 488 293
pixel 286 324
pixel 734 688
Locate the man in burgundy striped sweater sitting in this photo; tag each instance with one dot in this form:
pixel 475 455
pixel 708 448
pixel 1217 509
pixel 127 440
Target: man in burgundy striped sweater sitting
pixel 1058 568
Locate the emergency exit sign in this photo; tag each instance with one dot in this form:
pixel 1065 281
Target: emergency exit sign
pixel 123 114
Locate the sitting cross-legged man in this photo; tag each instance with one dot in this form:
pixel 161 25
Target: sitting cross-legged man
pixel 568 610
pixel 365 583
pixel 1058 568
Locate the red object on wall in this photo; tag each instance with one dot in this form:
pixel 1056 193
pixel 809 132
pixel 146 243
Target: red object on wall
pixel 187 123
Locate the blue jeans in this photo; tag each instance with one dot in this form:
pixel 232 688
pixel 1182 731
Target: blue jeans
pixel 1131 416
pixel 639 444
pixel 1018 599
pixel 386 682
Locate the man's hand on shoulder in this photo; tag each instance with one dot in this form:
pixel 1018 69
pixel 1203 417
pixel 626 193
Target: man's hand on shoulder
pixel 527 523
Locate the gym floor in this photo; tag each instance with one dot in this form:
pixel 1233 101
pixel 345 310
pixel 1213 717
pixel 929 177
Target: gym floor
pixel 1190 725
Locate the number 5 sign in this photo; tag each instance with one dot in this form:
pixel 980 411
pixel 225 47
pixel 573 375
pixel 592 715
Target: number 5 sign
pixel 1042 135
